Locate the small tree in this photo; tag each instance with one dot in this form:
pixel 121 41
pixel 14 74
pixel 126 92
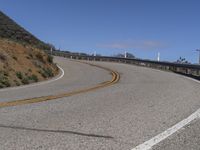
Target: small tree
pixel 182 61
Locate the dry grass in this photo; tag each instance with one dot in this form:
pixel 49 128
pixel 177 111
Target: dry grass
pixel 32 63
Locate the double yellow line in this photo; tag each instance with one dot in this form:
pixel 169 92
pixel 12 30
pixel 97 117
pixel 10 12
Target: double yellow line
pixel 115 79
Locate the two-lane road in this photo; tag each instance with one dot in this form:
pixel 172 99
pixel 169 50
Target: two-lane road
pixel 143 104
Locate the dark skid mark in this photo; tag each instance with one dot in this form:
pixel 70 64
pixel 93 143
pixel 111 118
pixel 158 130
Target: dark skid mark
pixel 56 131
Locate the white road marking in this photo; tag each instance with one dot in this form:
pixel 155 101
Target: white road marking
pixel 190 79
pixel 162 136
pixel 36 84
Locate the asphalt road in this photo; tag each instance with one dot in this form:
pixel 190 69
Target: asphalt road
pixel 186 139
pixel 76 75
pixel 144 103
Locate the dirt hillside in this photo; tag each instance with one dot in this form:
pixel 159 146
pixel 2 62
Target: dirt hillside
pixel 22 59
pixel 23 64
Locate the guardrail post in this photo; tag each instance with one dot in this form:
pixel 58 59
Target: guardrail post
pixel 188 71
pixel 198 72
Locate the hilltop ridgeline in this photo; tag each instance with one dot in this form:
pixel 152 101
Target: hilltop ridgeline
pixel 9 29
pixel 22 59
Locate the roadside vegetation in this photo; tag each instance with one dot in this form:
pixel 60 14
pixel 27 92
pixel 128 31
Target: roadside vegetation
pixel 23 64
pixel 22 59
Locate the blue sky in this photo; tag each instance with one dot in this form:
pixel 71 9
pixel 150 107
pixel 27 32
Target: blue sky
pixel 142 27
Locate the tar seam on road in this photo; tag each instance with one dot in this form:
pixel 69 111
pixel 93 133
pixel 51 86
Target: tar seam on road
pixel 162 136
pixel 57 131
pixel 115 79
pixel 36 84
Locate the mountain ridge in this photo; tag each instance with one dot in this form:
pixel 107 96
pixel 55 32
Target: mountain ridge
pixel 22 56
pixel 11 30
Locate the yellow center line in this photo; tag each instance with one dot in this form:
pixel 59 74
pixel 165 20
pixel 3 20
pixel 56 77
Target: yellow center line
pixel 115 79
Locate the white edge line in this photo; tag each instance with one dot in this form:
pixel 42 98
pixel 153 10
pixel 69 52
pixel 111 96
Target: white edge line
pixel 36 84
pixel 162 136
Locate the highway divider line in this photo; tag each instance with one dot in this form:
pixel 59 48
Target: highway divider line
pixel 164 135
pixel 36 84
pixel 115 79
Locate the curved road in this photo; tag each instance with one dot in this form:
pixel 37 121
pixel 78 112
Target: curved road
pixel 143 104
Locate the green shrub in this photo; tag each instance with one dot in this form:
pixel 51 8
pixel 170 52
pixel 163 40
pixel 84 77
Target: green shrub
pixel 2 57
pixel 1 85
pixel 3 73
pixel 4 82
pixel 33 78
pixel 25 81
pixel 49 72
pixel 46 72
pixel 42 73
pixel 50 59
pixel 17 83
pixel 19 75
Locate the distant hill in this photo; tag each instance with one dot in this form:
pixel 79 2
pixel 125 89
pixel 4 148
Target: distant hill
pixel 128 55
pixel 9 29
pixel 22 59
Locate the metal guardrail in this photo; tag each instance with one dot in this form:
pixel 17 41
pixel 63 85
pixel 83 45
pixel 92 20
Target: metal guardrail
pixel 184 69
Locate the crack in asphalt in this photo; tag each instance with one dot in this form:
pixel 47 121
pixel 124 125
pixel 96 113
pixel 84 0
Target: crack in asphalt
pixel 56 131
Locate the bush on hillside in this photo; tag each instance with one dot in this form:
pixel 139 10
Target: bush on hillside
pixel 2 57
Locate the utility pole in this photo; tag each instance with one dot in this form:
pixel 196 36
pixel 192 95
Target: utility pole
pixel 51 51
pixel 158 58
pixel 125 54
pixel 198 50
